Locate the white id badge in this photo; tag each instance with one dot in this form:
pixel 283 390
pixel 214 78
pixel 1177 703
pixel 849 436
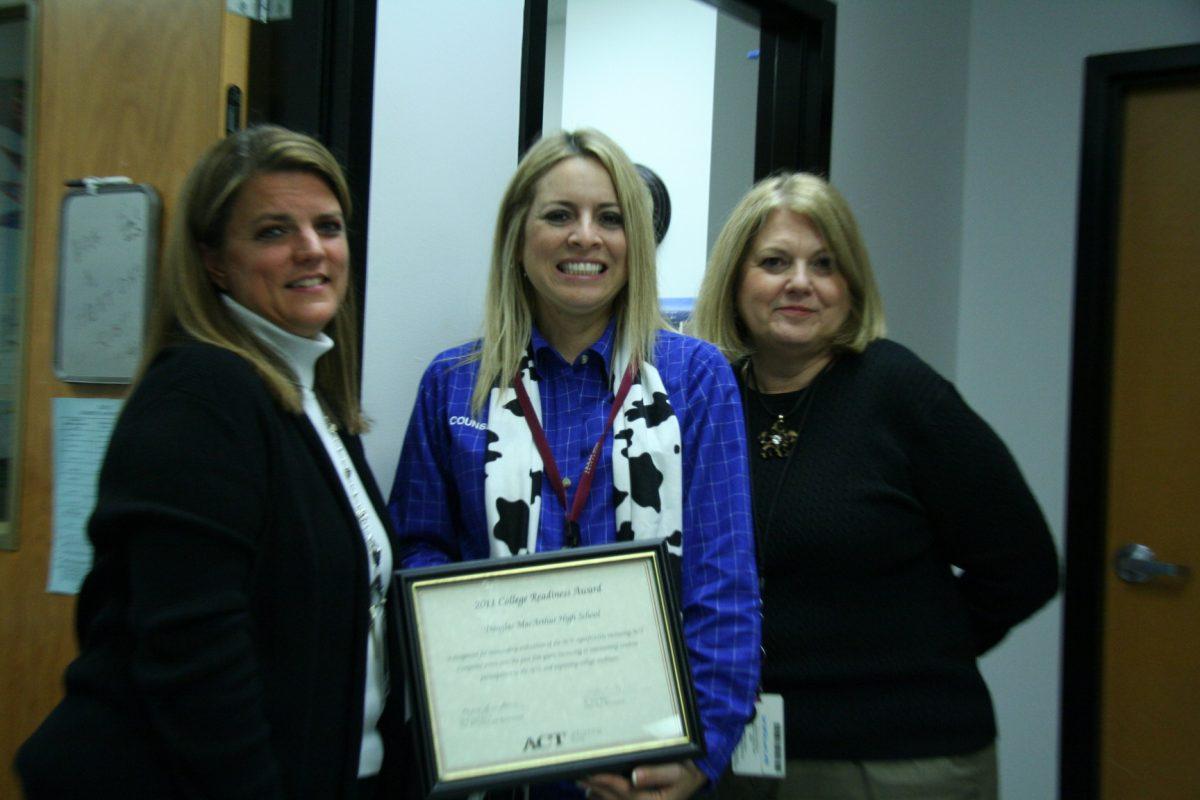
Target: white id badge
pixel 760 752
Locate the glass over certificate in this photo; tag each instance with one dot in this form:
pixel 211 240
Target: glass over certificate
pixel 547 666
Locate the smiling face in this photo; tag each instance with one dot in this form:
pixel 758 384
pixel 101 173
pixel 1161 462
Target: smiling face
pixel 284 254
pixel 792 298
pixel 574 247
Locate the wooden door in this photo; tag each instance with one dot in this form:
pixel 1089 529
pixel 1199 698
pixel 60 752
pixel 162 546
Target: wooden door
pixel 1150 698
pixel 122 87
pixel 1130 710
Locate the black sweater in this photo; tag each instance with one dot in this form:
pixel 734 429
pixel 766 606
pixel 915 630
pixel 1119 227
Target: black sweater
pixel 223 625
pixel 870 635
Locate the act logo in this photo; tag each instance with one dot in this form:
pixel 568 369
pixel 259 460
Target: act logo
pixel 544 740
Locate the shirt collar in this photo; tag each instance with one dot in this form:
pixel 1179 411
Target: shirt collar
pixel 301 354
pixel 601 348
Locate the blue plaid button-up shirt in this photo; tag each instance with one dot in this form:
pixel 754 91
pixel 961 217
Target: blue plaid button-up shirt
pixel 437 499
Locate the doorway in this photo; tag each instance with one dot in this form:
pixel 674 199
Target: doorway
pixel 1130 645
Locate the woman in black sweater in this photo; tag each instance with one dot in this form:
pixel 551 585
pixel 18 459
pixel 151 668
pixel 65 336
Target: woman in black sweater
pixel 897 539
pixel 233 633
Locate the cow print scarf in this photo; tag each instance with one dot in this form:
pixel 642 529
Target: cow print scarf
pixel 646 464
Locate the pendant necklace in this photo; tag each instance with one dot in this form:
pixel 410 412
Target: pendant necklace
pixel 778 440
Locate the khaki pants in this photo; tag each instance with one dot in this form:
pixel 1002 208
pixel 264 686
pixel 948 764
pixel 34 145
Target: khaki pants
pixel 967 777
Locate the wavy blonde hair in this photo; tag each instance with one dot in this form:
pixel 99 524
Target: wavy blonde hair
pixel 716 316
pixel 188 304
pixel 510 300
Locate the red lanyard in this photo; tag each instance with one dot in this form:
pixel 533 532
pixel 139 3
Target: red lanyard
pixel 571 525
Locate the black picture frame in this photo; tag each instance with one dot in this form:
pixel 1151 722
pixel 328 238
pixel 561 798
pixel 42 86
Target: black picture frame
pixel 539 766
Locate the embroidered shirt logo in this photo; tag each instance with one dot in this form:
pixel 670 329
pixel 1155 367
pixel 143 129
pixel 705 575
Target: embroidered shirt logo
pixel 467 421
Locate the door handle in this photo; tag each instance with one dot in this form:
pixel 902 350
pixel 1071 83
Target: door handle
pixel 1136 563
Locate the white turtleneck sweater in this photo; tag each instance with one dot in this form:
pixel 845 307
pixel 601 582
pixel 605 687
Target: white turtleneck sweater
pixel 301 355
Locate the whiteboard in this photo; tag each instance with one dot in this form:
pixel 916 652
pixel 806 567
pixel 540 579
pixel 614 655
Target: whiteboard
pixel 108 239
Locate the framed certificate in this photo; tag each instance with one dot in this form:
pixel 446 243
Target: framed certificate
pixel 548 666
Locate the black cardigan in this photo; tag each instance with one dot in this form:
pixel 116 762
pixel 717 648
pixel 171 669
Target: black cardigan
pixel 869 633
pixel 223 625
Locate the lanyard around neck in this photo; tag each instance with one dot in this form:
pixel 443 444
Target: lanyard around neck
pixel 571 525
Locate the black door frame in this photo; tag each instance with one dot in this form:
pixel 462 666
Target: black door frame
pixel 315 73
pixel 795 80
pixel 1108 80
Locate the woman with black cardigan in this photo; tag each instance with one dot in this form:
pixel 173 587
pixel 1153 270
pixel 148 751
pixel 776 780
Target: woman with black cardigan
pixel 234 636
pixel 897 540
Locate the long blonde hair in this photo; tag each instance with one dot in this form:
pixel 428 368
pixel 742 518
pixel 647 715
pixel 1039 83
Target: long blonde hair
pixel 188 304
pixel 510 301
pixel 716 316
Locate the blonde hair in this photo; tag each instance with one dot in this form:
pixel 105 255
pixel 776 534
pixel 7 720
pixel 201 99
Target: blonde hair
pixel 188 304
pixel 716 316
pixel 510 300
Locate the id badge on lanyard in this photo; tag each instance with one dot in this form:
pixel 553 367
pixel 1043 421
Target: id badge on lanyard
pixel 760 753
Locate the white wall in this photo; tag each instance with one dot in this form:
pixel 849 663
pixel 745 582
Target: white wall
pixel 735 120
pixel 642 72
pixel 899 123
pixel 556 41
pixel 444 144
pixel 636 69
pixel 956 140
